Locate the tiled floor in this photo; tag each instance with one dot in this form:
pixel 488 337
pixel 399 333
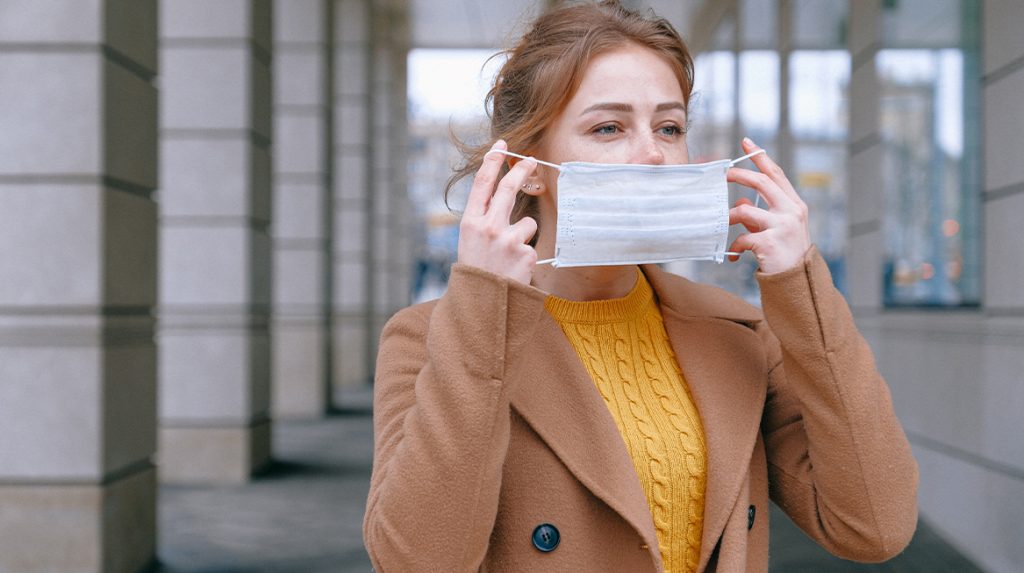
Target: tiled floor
pixel 305 515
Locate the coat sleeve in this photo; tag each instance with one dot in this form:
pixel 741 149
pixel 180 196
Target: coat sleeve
pixel 839 463
pixel 441 423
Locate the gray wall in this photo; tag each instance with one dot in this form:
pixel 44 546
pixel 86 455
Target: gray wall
pixel 956 375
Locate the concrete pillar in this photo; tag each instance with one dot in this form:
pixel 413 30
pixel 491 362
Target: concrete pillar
pixel 214 241
pixel 392 229
pixel 372 250
pixel 784 42
pixel 992 536
pixel 1002 84
pixel 302 208
pixel 353 181
pixel 78 158
pixel 738 131
pixel 866 198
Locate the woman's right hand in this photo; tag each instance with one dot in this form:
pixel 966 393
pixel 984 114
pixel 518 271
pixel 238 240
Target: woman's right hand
pixel 487 240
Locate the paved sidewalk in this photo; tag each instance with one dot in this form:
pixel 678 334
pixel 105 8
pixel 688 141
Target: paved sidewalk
pixel 305 515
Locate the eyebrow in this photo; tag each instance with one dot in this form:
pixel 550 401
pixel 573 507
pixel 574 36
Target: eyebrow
pixel 670 105
pixel 625 107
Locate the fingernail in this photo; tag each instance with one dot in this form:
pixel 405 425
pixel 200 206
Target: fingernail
pixel 748 141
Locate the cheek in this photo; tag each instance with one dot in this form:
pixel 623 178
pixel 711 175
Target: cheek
pixel 552 185
pixel 677 155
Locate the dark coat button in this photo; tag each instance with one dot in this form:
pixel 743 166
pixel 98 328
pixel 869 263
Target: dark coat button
pixel 546 537
pixel 751 511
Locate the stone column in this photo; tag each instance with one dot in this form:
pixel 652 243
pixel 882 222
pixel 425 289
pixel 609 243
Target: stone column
pixel 302 208
pixel 78 158
pixel 214 240
pixel 1003 176
pixel 993 539
pixel 391 206
pixel 866 195
pixel 353 176
pixel 372 251
pixel 784 148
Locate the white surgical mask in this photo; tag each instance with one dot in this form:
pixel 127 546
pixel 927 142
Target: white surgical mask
pixel 626 214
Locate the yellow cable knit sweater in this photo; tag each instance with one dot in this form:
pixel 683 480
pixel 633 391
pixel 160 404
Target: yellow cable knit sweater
pixel 625 348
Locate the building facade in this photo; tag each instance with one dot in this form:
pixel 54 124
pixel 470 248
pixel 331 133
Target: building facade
pixel 219 184
pixel 204 223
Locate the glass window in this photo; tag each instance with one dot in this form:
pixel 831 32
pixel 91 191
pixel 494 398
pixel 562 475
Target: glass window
pixel 759 96
pixel 446 94
pixel 930 133
pixel 712 107
pixel 818 120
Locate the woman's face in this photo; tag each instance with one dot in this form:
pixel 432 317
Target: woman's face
pixel 629 108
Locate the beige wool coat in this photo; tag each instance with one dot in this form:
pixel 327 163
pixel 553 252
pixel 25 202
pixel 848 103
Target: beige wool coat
pixel 488 425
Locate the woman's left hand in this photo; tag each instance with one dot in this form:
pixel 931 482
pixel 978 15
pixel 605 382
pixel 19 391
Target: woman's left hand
pixel 779 235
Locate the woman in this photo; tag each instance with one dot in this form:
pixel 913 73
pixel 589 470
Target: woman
pixel 619 418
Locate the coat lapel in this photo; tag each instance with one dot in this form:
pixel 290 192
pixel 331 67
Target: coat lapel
pixel 568 413
pixel 723 364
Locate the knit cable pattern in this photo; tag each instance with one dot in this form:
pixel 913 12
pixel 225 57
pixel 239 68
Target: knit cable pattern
pixel 624 347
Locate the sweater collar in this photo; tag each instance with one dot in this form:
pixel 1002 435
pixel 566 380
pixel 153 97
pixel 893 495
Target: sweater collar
pixel 625 309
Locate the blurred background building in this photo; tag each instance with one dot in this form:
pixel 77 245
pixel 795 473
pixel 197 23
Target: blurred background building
pixel 209 208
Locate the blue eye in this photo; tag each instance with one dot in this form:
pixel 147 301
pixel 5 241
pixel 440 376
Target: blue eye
pixel 609 129
pixel 671 130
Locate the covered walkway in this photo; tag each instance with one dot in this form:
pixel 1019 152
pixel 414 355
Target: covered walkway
pixel 304 514
pixel 207 215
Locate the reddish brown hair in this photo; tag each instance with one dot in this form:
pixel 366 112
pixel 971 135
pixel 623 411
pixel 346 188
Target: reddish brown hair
pixel 544 69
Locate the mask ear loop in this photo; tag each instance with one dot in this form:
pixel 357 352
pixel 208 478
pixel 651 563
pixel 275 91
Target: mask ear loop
pixel 555 165
pixel 551 261
pixel 757 200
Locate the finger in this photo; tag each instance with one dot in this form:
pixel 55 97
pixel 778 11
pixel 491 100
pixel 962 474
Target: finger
pixel 505 197
pixel 773 196
pixel 751 217
pixel 524 229
pixel 484 180
pixel 745 242
pixel 745 201
pixel 768 166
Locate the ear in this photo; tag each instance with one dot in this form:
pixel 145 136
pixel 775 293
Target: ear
pixel 534 186
pixel 513 160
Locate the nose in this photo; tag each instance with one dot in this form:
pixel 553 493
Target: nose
pixel 648 151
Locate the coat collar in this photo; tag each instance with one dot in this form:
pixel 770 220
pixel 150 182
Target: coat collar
pixel 723 364
pixel 687 298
